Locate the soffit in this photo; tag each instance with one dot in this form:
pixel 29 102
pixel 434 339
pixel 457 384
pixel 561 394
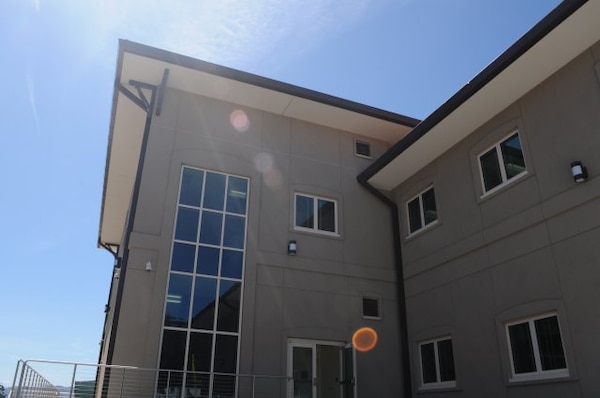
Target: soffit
pixel 128 120
pixel 552 52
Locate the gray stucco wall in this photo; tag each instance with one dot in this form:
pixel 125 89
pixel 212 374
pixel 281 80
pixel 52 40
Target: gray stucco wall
pixel 314 295
pixel 528 248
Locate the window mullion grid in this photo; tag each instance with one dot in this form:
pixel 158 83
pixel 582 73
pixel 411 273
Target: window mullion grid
pixel 534 343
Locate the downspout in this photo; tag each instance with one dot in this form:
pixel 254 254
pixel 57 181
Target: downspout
pixel 404 345
pixel 147 106
pixel 115 254
pixel 112 283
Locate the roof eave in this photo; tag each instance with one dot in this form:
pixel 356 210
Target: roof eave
pixel 380 173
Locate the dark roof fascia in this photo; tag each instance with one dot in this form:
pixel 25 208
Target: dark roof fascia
pixel 263 82
pixel 514 52
pixel 113 114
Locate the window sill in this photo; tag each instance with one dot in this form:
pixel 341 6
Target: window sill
pixel 317 232
pixel 423 229
pixel 504 185
pixel 438 387
pixel 540 377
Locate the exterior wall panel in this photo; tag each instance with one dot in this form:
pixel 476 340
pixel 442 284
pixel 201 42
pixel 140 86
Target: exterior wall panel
pixel 315 295
pixel 522 250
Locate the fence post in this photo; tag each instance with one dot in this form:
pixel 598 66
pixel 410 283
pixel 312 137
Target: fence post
pixel 73 381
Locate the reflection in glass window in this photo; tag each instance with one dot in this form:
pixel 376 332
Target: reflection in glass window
pixel 304 211
pixel 326 215
pixel 191 187
pixel 208 260
pixel 422 210
pixel 437 363
pixel 237 191
pixel 536 348
pixel 183 257
pixel 234 232
pixel 199 354
pixel 229 306
pixel 225 353
pixel 210 230
pixel 232 264
pixel 178 300
pixel 187 224
pixel 203 313
pixel 315 214
pixel 503 162
pixel 214 195
pixel 173 350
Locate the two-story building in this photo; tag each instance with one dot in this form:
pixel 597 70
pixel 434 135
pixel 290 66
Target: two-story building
pixel 257 225
pixel 245 246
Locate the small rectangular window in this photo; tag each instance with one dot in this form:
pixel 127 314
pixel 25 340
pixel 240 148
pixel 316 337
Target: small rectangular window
pixel 536 348
pixel 315 214
pixel 502 163
pixel 370 307
pixel 422 210
pixel 437 363
pixel 362 149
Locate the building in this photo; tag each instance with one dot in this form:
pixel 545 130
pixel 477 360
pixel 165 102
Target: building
pixel 257 225
pixel 244 243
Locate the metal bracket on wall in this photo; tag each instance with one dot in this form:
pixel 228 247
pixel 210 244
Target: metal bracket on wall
pixel 141 99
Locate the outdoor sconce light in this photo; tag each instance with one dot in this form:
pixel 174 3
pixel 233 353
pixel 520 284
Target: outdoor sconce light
pixel 292 248
pixel 149 266
pixel 579 172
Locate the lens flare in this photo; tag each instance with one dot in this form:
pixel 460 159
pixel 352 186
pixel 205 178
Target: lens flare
pixel 239 120
pixel 364 339
pixel 263 162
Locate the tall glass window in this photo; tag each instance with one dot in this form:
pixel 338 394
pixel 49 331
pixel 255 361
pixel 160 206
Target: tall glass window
pixel 201 326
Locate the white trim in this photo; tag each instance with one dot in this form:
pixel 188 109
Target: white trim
pixel 359 141
pixel 438 384
pixel 371 297
pixel 315 228
pixel 500 158
pixel 424 226
pixel 312 344
pixel 539 374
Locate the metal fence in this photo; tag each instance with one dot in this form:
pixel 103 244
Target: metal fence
pixel 51 379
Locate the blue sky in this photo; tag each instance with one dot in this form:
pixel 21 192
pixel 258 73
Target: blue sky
pixel 58 62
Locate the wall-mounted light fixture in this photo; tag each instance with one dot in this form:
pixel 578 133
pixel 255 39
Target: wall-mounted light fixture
pixel 578 171
pixel 148 265
pixel 292 248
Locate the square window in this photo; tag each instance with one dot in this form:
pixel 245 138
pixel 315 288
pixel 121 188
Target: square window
pixel 422 210
pixel 362 149
pixel 502 163
pixel 437 363
pixel 536 348
pixel 370 307
pixel 315 214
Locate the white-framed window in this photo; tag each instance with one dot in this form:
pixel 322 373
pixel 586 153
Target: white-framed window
pixel 437 363
pixel 502 163
pixel 315 214
pixel 371 308
pixel 362 149
pixel 536 348
pixel 421 210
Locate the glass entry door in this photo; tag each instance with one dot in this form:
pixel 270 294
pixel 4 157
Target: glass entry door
pixel 319 369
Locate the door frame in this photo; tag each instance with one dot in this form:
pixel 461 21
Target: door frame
pixel 312 344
